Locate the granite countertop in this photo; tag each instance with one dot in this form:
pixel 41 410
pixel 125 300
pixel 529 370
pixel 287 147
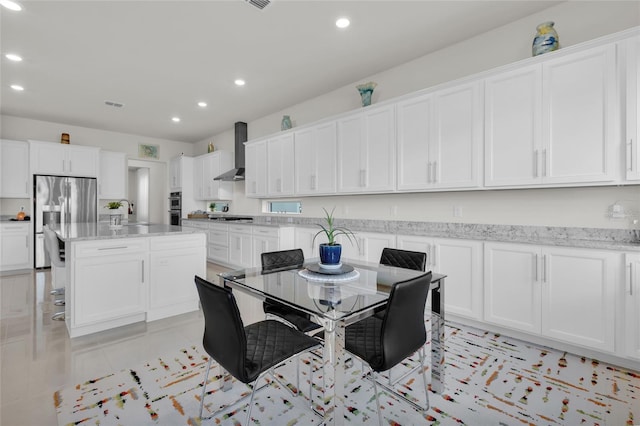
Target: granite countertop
pixel 102 231
pixel 593 238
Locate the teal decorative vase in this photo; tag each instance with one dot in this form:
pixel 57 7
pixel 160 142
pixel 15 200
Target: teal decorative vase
pixel 546 39
pixel 366 91
pixel 286 123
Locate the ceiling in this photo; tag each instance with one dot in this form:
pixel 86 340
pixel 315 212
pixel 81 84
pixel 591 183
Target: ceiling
pixel 159 58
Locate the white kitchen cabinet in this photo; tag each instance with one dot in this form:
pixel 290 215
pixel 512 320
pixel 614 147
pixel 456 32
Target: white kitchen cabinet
pixel 540 118
pixel 567 294
pixel 632 305
pixel 366 151
pixel 304 240
pixel 112 181
pixel 315 160
pixel 175 174
pixel 109 282
pixel 205 168
pixel 461 261
pixel 14 173
pixel 48 158
pixel 439 139
pixel 366 246
pixel 218 247
pixel 15 246
pixel 240 249
pixel 256 169
pixel 280 166
pixel 263 240
pixel 174 260
pixel 632 153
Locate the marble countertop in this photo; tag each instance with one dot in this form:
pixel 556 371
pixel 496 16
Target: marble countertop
pixel 102 231
pixel 593 238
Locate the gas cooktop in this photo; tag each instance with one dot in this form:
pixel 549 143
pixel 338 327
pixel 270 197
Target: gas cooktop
pixel 231 219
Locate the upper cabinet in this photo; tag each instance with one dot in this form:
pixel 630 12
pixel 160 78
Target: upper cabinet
pixel 14 172
pixel 255 155
pixel 112 182
pixel 315 160
pixel 439 139
pixel 366 151
pixel 205 168
pixel 280 166
pixel 48 158
pixel 632 154
pixel 175 173
pixel 539 118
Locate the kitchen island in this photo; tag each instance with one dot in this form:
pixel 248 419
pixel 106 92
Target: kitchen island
pixel 134 273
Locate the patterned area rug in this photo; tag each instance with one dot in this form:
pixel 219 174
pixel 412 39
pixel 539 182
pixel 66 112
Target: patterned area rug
pixel 489 380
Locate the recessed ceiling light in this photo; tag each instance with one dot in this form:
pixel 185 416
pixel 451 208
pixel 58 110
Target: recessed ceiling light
pixel 11 5
pixel 17 87
pixel 13 57
pixel 239 82
pixel 175 119
pixel 342 22
pixel 202 104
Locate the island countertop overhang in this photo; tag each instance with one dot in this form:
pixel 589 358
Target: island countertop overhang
pixel 86 231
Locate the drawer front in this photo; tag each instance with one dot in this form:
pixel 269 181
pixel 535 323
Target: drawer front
pixel 195 224
pixel 222 227
pixel 219 253
pixel 220 238
pixel 240 229
pixel 178 241
pixel 110 247
pixel 15 227
pixel 266 231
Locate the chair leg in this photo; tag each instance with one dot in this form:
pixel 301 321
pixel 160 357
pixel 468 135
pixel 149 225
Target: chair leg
pixel 375 391
pixel 204 386
pixel 253 393
pixel 58 316
pixel 424 380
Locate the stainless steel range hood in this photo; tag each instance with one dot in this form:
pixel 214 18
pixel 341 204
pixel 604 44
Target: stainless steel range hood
pixel 237 173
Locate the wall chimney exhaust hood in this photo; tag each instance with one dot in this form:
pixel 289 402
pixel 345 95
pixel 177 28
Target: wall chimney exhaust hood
pixel 237 173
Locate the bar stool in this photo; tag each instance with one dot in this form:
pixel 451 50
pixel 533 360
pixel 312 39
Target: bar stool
pixel 58 271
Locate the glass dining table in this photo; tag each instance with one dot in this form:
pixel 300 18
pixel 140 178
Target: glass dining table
pixel 335 299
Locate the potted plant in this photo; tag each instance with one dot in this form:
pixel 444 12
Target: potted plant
pixel 115 219
pixel 331 251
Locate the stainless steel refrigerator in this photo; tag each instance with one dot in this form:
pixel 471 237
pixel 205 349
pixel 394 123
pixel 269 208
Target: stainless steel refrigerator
pixel 61 200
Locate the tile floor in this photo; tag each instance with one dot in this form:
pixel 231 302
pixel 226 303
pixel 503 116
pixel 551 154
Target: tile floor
pixel 37 357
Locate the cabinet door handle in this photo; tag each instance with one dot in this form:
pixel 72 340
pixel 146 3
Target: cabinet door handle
pixel 535 267
pixel 434 255
pixel 535 164
pixel 313 182
pixel 429 172
pixel 630 155
pixel 279 185
pixel 70 166
pixel 544 162
pixel 630 279
pixel 544 268
pixel 435 173
pixel 112 248
pixel 143 271
pixel 26 241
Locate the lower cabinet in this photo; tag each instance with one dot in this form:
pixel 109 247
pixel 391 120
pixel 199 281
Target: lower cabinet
pixel 125 280
pixel 240 251
pixel 568 294
pixel 264 239
pixel 366 246
pixel 632 305
pixel 461 261
pixel 109 282
pixel 15 247
pixel 173 263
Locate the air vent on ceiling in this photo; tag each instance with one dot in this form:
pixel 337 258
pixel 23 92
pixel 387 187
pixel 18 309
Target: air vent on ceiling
pixel 260 4
pixel 113 104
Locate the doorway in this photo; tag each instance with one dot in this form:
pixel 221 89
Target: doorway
pixel 147 185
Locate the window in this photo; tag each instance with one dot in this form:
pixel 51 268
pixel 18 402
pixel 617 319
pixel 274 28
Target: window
pixel 286 207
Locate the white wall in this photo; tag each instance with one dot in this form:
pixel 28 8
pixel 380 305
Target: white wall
pixel 576 22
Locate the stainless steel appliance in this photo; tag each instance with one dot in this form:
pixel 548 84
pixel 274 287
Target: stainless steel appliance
pixel 61 200
pixel 175 208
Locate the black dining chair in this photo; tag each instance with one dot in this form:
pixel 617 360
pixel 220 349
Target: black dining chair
pixel 383 343
pixel 247 353
pixel 277 261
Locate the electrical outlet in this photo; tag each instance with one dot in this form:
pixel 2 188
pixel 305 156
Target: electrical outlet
pixel 617 212
pixel 457 211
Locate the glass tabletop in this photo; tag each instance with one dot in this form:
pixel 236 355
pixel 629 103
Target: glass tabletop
pixel 329 296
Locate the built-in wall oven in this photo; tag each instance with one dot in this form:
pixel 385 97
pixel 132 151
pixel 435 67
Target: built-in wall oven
pixel 175 208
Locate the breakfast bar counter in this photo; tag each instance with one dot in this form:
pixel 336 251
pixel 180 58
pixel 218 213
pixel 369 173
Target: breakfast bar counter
pixel 130 274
